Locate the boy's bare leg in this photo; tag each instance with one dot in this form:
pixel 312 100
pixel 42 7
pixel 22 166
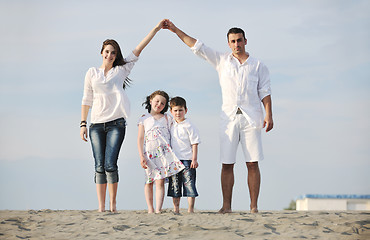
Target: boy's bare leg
pixel 227 184
pixel 254 182
pixel 176 204
pixel 159 195
pixel 101 192
pixel 112 188
pixel 191 202
pixel 148 190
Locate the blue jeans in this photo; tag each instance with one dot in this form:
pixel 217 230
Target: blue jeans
pixel 184 180
pixel 106 140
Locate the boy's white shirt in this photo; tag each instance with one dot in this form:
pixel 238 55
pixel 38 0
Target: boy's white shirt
pixel 183 135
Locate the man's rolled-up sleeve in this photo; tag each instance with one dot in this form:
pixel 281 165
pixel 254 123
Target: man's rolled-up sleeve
pixel 264 84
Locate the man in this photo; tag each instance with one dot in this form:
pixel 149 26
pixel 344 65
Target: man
pixel 244 82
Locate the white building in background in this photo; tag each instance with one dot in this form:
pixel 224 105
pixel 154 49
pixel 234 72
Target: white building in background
pixel 315 202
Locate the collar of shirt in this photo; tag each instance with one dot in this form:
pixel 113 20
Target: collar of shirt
pixel 182 122
pixel 232 58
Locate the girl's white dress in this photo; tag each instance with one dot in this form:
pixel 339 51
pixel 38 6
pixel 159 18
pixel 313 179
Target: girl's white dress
pixel 161 160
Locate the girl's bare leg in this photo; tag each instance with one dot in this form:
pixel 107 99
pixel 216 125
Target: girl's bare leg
pixel 148 190
pixel 112 188
pixel 101 192
pixel 159 195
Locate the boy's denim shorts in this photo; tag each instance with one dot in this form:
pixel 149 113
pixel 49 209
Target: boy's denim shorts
pixel 183 180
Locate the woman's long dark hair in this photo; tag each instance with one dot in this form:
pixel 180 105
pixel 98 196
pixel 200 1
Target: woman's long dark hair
pixel 119 58
pixel 151 96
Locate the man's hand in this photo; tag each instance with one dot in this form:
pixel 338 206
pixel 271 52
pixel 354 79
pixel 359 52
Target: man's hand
pixel 183 36
pixel 169 25
pixel 268 123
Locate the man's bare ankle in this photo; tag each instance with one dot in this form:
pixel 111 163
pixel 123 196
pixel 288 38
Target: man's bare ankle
pixel 225 210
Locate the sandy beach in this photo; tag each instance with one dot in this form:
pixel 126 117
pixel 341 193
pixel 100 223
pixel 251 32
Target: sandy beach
pixel 80 224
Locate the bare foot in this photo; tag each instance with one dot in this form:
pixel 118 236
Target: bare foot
pixel 101 207
pixel 150 210
pixel 223 211
pixel 254 210
pixel 113 208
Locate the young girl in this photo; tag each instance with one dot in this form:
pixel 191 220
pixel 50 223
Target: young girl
pixel 156 155
pixel 104 92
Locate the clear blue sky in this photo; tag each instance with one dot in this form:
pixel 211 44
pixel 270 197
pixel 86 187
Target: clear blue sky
pixel 318 54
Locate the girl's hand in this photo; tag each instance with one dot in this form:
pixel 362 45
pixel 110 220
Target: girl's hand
pixel 83 133
pixel 143 162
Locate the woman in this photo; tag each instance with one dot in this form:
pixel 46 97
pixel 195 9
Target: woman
pixel 104 92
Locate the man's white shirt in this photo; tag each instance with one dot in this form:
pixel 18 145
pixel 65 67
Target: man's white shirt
pixel 242 85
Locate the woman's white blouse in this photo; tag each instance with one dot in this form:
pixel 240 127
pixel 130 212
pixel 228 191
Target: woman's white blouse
pixel 105 94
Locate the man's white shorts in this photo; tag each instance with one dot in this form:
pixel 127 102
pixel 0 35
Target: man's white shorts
pixel 239 130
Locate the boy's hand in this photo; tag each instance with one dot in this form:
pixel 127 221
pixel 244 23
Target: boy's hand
pixel 194 164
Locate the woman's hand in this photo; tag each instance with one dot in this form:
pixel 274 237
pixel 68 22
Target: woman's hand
pixel 160 25
pixel 83 133
pixel 83 123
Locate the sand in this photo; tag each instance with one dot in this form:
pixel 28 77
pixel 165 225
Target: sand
pixel 74 224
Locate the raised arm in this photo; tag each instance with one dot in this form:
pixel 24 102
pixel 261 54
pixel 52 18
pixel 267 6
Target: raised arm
pixel 183 36
pixel 139 48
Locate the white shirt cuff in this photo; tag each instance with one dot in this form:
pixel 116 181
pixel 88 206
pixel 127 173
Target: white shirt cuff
pixel 196 46
pixel 131 58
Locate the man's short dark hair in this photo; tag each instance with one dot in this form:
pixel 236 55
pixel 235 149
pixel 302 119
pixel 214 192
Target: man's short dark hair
pixel 177 102
pixel 235 30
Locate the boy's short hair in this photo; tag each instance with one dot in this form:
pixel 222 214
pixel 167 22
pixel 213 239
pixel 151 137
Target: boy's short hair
pixel 177 102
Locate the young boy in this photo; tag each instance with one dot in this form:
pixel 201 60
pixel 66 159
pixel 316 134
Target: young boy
pixel 184 142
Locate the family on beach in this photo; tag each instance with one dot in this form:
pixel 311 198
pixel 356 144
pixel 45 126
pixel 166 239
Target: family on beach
pixel 168 143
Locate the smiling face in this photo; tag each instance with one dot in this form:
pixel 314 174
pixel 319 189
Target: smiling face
pixel 178 112
pixel 237 43
pixel 109 55
pixel 157 104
